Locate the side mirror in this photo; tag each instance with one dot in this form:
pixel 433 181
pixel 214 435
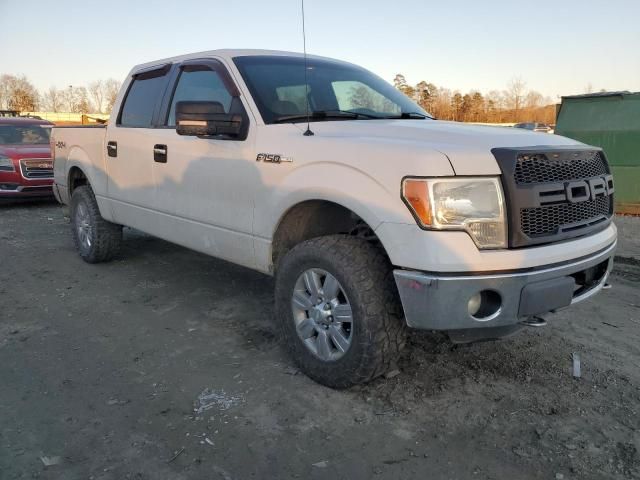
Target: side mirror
pixel 206 119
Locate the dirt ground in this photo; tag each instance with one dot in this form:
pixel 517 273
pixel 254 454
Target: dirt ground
pixel 166 364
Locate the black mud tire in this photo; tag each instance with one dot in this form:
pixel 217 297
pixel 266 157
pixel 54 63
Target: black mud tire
pixel 105 237
pixel 379 329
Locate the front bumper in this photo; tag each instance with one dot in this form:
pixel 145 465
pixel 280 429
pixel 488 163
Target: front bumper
pixel 440 302
pixel 8 190
pixel 15 185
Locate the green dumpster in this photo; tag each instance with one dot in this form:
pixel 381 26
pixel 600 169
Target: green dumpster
pixel 610 121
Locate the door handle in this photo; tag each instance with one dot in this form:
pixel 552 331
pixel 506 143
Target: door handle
pixel 160 153
pixel 112 149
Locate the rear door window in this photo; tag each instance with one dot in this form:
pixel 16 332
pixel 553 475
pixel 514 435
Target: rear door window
pixel 138 108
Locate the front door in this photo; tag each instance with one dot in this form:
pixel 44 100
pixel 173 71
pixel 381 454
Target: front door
pixel 207 185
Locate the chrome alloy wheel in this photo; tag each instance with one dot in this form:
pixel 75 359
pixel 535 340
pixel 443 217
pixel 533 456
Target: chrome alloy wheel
pixel 322 314
pixel 83 225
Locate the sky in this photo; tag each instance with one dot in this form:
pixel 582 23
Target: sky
pixel 557 47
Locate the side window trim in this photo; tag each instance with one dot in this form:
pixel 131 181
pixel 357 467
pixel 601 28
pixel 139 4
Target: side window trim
pixel 218 67
pixel 161 111
pixel 145 73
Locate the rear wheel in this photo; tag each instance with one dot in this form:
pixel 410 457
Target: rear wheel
pixel 96 239
pixel 339 310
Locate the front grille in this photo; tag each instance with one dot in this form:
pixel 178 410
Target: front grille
pixel 553 219
pixel 36 168
pixel 539 168
pixel 555 193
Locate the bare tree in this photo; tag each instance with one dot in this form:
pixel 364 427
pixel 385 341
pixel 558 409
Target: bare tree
pixel 97 92
pixel 494 106
pixel 52 100
pixel 17 93
pixel 442 104
pixel 4 91
pixel 111 89
pixel 533 99
pixel 511 105
pixel 82 103
pixel 76 99
pixel 66 96
pixel 514 95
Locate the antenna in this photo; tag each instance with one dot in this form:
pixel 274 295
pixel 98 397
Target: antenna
pixel 308 133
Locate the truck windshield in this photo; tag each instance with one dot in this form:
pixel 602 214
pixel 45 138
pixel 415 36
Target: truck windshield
pixel 24 135
pixel 335 91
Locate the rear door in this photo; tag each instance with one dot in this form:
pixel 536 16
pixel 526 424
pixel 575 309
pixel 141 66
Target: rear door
pixel 129 148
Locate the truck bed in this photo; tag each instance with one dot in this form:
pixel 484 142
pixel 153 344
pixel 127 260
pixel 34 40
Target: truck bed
pixel 101 125
pixel 81 146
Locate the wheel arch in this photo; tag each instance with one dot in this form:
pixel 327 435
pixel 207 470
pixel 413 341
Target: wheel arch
pixel 75 178
pixel 318 217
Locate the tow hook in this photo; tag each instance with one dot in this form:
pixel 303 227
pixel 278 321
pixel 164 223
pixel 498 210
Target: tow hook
pixel 534 322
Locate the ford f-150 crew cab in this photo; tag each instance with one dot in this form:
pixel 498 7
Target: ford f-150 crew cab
pixel 372 215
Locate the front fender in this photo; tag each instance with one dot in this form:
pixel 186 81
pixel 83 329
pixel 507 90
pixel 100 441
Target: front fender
pixel 342 184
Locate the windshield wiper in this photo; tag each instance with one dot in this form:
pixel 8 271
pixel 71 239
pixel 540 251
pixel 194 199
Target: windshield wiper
pixel 409 115
pixel 350 113
pixel 324 115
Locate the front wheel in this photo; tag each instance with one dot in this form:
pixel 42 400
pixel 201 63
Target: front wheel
pixel 339 310
pixel 96 239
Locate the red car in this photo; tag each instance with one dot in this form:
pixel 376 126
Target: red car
pixel 26 168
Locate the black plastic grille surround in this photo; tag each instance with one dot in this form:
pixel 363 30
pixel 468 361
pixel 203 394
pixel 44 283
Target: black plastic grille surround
pixel 535 180
pixel 548 220
pixel 539 168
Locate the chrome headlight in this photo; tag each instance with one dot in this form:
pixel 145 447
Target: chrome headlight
pixel 6 164
pixel 475 205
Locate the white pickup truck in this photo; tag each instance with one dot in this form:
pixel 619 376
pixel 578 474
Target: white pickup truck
pixel 372 215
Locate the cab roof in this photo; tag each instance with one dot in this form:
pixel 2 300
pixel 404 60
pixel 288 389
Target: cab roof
pixel 229 53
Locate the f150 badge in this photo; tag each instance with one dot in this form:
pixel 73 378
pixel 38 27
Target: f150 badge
pixel 272 158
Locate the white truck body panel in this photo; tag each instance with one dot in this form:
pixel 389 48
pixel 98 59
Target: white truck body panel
pixel 215 198
pixel 449 252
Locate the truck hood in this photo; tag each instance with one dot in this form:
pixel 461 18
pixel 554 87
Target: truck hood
pixel 468 147
pixel 25 151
